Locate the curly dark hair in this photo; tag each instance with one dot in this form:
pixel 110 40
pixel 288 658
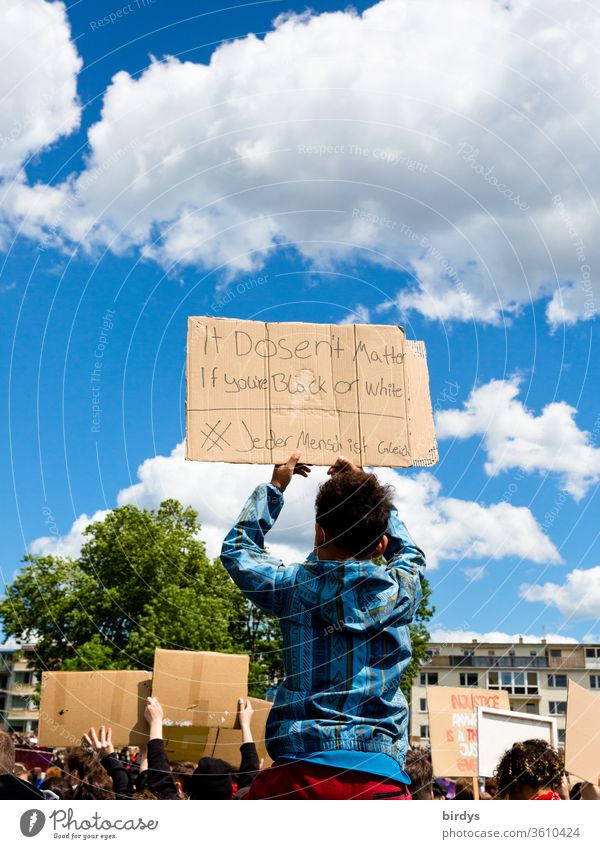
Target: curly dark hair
pixel 354 509
pixel 532 762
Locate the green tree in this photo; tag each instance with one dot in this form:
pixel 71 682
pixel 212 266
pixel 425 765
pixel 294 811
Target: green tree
pixel 419 637
pixel 142 580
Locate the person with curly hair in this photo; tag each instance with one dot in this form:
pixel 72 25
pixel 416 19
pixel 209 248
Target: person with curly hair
pixel 338 728
pixel 530 770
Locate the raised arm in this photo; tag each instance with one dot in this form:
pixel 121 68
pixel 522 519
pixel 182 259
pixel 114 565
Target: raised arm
pixel 257 574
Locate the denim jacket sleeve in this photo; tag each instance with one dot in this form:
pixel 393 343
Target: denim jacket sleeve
pixel 259 575
pixel 406 561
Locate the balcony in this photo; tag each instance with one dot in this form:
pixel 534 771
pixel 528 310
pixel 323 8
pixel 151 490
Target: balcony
pixel 503 662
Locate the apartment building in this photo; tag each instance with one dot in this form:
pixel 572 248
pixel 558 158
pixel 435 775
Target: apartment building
pixel 18 711
pixel 534 675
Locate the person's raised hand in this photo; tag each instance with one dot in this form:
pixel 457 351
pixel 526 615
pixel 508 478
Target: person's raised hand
pixel 101 742
pixel 282 474
pixel 245 711
pixel 343 465
pixel 154 713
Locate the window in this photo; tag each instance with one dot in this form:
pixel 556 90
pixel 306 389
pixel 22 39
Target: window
pixel 561 735
pixel 469 679
pixel 22 678
pixel 532 654
pixel 557 680
pixel 423 705
pixel 428 678
pixel 517 683
pixel 595 682
pixel 558 708
pixel 555 653
pixel 530 708
pixel 595 653
pixel 424 731
pixel 19 702
pixel 491 653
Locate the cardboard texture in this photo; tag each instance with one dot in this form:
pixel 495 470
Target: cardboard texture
pixel 72 702
pixel 453 727
pixel 199 693
pixel 257 392
pixel 499 730
pixel 229 740
pixel 582 740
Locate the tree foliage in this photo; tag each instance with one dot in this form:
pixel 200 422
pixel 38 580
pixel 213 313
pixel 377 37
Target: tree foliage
pixel 142 580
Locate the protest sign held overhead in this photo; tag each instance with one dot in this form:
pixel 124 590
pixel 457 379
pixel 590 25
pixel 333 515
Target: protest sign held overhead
pixel 453 727
pixel 499 730
pixel 257 392
pixel 72 702
pixel 582 740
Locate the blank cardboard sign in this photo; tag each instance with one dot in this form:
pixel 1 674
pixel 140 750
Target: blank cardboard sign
pixel 453 727
pixel 499 730
pixel 72 702
pixel 200 688
pixel 257 392
pixel 582 740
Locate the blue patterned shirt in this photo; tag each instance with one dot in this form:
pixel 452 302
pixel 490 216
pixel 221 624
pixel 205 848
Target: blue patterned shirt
pixel 345 636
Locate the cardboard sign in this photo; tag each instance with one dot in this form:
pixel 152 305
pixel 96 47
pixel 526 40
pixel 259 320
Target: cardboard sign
pixel 453 727
pixel 257 392
pixel 198 690
pixel 582 740
pixel 229 740
pixel 72 702
pixel 499 730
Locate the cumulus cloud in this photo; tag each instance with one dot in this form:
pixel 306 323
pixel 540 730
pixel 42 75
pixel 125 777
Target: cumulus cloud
pixel 446 528
pixel 577 598
pixel 38 78
pixel 443 635
pixel 514 437
pixel 69 544
pixel 454 140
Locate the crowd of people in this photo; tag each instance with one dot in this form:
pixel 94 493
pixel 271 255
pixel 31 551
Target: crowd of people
pixel 338 726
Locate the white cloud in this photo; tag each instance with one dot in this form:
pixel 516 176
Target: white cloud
pixel 443 635
pixel 69 544
pixel 514 437
pixel 577 598
pixel 475 573
pixel 446 528
pixel 38 76
pixel 461 146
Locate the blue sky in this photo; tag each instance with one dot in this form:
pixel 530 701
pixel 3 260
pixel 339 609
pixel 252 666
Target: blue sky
pixel 196 179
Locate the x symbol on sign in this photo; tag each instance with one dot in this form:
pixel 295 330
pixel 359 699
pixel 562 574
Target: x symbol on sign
pixel 214 436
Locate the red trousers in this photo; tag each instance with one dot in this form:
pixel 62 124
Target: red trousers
pixel 303 780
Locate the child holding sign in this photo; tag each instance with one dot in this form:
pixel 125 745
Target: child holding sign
pixel 338 727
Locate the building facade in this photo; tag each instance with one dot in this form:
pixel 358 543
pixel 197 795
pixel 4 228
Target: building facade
pixel 18 711
pixel 535 676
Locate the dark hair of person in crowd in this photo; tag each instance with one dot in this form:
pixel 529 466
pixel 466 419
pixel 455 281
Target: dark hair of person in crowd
pixel 353 509
pixel 437 792
pixel 212 779
pixel 528 769
pixel 95 785
pixel 491 787
pixel 144 794
pixel 576 791
pixel 78 761
pixel 418 766
pixel 181 771
pixel 58 785
pixel 7 754
pixel 463 789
